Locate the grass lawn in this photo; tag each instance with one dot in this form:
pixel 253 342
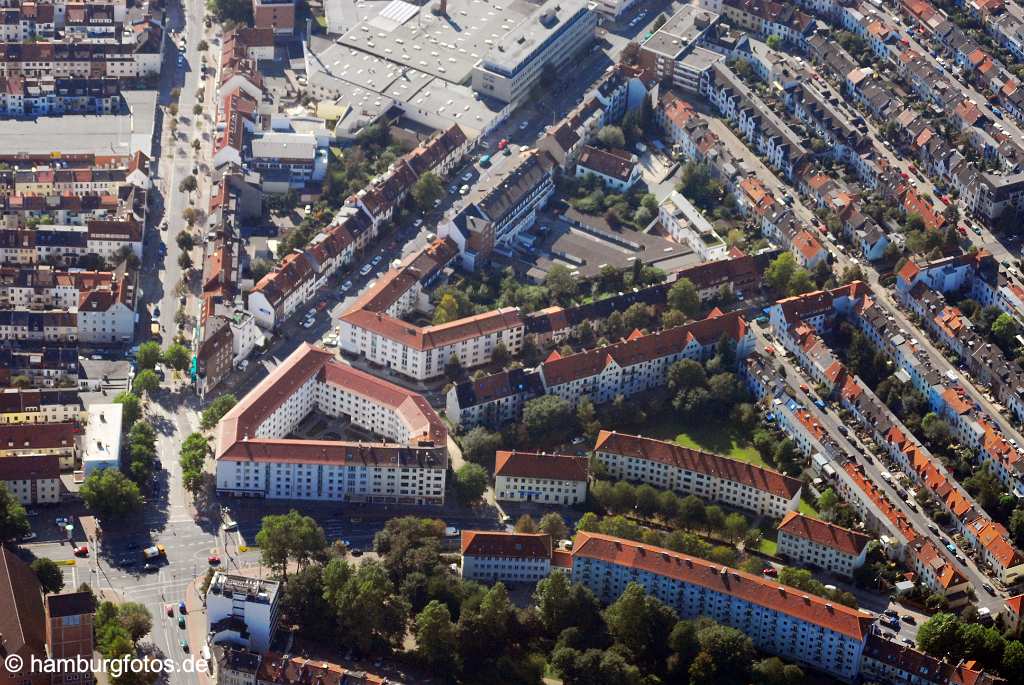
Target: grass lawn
pixel 807 509
pixel 720 437
pixel 769 547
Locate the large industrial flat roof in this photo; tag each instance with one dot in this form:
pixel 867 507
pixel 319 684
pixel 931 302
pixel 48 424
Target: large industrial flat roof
pixel 446 47
pixel 112 134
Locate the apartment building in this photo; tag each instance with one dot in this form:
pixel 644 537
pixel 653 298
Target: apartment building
pixel 549 35
pixel 935 570
pixel 712 477
pixel 496 212
pixel 276 15
pixel 687 224
pixel 490 556
pixel 278 669
pixel 540 478
pixel 672 53
pixel 34 478
pixel 39 405
pixel 808 540
pixel 23 623
pixel 617 170
pixel 373 326
pixel 288 161
pixel 891 663
pixel 242 611
pixel 29 440
pixel 255 459
pixel 626 368
pixel 801 628
pixel 69 634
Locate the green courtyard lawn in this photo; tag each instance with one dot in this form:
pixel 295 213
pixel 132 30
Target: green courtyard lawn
pixel 715 435
pixel 807 508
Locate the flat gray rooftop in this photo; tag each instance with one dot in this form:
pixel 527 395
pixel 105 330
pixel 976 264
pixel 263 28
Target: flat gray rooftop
pixel 681 30
pixel 112 134
pixel 444 47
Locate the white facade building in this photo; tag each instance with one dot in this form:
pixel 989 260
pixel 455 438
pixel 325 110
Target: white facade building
pixel 254 459
pixel 242 611
pixel 541 478
pixel 800 628
pixel 101 447
pixel 491 556
pixel 711 477
pixel 808 540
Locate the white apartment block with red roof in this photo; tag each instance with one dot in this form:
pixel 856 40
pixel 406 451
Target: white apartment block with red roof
pixel 492 556
pixel 809 540
pixel 805 629
pixel 254 459
pixel 711 477
pixel 541 478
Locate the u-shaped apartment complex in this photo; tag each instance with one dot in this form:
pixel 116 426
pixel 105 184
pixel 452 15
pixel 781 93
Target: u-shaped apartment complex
pixel 257 458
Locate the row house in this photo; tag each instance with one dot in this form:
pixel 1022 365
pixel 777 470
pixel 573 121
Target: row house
pixel 712 477
pixel 52 325
pixel 32 97
pixel 891 663
pixel 798 627
pixel 761 127
pixel 782 20
pixel 39 405
pixel 32 479
pixel 58 441
pixel 254 457
pixel 628 367
pixel 45 365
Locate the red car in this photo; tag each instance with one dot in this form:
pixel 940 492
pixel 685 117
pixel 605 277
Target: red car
pixel 213 559
pixel 82 551
pixel 503 143
pixel 770 572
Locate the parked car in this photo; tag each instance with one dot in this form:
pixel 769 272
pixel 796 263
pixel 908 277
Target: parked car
pixel 365 270
pixel 770 572
pixel 82 551
pixel 346 286
pixel 988 588
pixel 376 260
pixel 183 644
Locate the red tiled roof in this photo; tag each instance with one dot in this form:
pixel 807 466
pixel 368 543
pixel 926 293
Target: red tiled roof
pixel 722 579
pixel 486 543
pixel 535 465
pixel 20 436
pixel 701 462
pixel 823 533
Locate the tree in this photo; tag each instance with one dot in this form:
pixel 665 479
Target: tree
pixel 134 618
pixel 800 282
pixel 774 671
pixel 526 524
pixel 188 184
pixel 185 261
pixel 148 355
pixel 185 241
pixel 109 493
pixel 586 417
pixel 146 383
pixel 553 524
pixel 471 482
pixel 290 536
pixel 50 575
pixel 192 459
pixel 427 190
pixel 216 411
pixel 1012 667
pixel 780 271
pixel 1005 329
pixel 1016 526
pixel 683 297
pixel 939 635
pixel 774 42
pixel 453 368
pixel 611 136
pixel 447 309
pixel 197 109
pixel 203 46
pixel 642 623
pixel 686 374
pixel 560 283
pixel 480 444
pixel 436 636
pixel 371 614
pixel 500 355
pixel 730 651
pixel 548 418
pixel 177 357
pixel 735 526
pixel 659 22
pixel 131 409
pixel 190 215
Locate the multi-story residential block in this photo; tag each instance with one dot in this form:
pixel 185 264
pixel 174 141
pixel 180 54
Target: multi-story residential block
pixel 540 478
pixel 496 212
pixel 30 440
pixel 242 611
pixel 255 459
pixel 32 479
pixel 547 37
pixel 626 368
pixel 39 405
pixel 373 326
pixel 101 447
pixel 672 53
pixel 687 224
pixel 288 160
pixel 808 540
pixel 796 626
pixel 69 634
pixel 891 663
pixel 277 15
pixel 617 170
pixel 711 477
pixel 491 556
pixel 67 243
pixel 231 665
